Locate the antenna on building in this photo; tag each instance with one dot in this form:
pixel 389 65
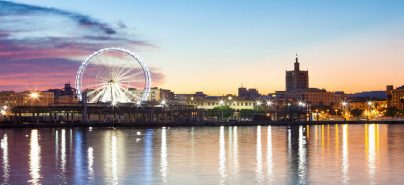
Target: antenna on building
pixel 297 68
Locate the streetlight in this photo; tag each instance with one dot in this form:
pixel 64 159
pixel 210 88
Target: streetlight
pixel 269 103
pixel 345 109
pixel 258 103
pixel 34 95
pixel 138 103
pixel 302 105
pixel 163 103
pixel 369 107
pixel 221 103
pixel 114 103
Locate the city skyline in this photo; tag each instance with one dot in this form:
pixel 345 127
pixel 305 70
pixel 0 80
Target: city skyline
pixel 344 48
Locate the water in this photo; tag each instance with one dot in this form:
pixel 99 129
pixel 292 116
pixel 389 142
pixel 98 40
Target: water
pixel 321 154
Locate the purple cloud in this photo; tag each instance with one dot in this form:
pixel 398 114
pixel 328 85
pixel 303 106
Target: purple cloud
pixel 43 46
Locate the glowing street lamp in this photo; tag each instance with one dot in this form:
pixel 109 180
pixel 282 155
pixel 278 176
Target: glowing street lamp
pixel 5 107
pixel 258 103
pixel 301 104
pixel 269 103
pixel 370 107
pixel 138 103
pixel 221 103
pixel 345 110
pixel 3 112
pixel 34 95
pixel 163 103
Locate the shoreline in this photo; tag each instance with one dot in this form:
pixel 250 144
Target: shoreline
pixel 193 124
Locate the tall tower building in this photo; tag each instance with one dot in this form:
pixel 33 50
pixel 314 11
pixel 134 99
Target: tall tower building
pixel 297 79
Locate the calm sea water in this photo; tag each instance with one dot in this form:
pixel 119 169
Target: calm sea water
pixel 320 154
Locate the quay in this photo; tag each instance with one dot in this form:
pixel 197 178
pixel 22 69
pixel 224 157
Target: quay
pixel 151 115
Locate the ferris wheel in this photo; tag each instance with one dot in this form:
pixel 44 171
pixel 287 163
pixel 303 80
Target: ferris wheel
pixel 113 75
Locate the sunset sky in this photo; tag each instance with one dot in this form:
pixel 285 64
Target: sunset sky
pixel 211 45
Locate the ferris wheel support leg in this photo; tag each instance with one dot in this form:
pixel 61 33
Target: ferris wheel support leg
pixel 85 111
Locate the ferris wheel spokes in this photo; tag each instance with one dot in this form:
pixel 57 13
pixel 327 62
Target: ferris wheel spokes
pixel 114 79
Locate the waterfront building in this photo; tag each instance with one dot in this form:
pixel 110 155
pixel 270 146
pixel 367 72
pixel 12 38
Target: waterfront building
pixel 211 102
pixel 67 95
pixel 297 90
pixel 8 98
pixel 157 94
pixel 297 79
pixel 395 97
pixel 26 98
pixel 316 97
pixel 279 99
pixel 339 97
pixel 374 107
pixel 248 94
pixel 365 103
pixel 185 97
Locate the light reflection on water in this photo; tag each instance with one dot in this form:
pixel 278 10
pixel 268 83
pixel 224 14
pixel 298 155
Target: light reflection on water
pixel 345 162
pixel 114 160
pixel 302 156
pixel 222 156
pixel 164 162
pixel 63 155
pixel 4 148
pixel 269 154
pixel 372 153
pixel 235 152
pixel 331 154
pixel 90 162
pixel 259 175
pixel 34 158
